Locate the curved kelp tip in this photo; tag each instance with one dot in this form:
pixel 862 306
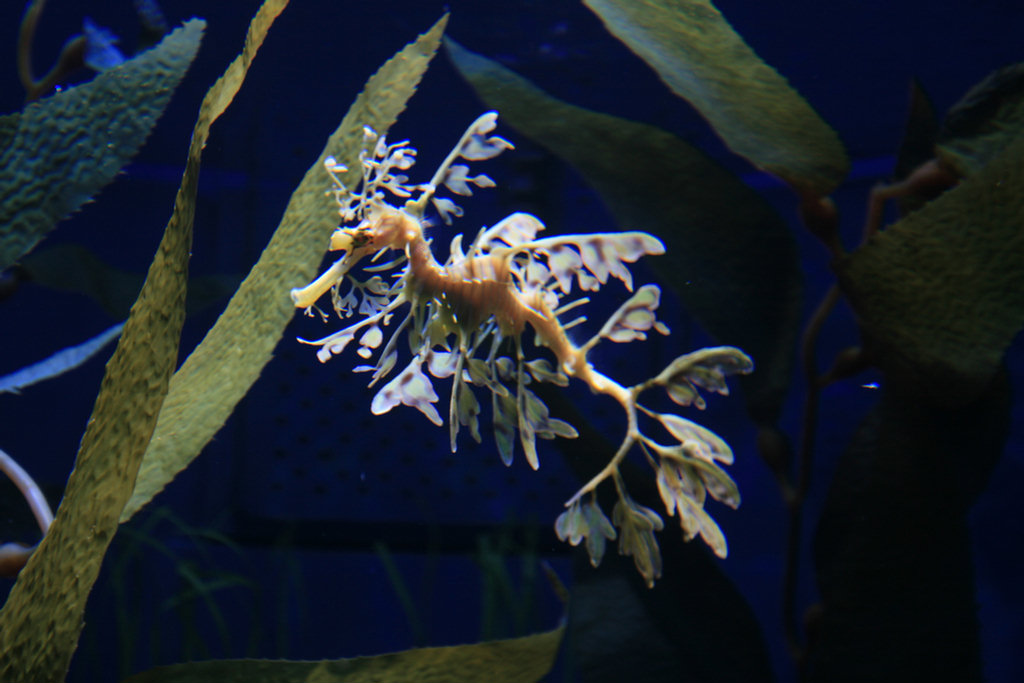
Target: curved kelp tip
pixel 729 257
pixel 57 153
pixel 215 377
pixel 755 111
pixel 42 619
pixel 58 363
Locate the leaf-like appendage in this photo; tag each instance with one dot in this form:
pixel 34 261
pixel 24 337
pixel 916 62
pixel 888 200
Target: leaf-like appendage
pixel 412 388
pixel 704 369
pixel 688 431
pixel 61 150
pixel 592 258
pixel 637 525
pixel 586 521
pixel 503 408
pixel 476 146
pixel 634 318
pixel 513 230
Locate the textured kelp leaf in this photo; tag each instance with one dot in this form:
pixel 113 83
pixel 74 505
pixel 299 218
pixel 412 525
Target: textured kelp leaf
pixel 699 56
pixel 940 294
pixel 984 122
pixel 893 552
pixel 61 150
pixel 516 660
pixel 8 129
pixel 42 619
pixel 729 256
pixel 220 371
pixel 74 268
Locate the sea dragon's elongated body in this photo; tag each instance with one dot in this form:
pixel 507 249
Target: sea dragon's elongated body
pixel 505 282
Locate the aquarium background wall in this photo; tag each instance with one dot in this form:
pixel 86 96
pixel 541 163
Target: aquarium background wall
pixel 311 529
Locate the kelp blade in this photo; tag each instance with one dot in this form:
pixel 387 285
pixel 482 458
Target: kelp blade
pixel 60 151
pixel 42 619
pixel 984 121
pixel 516 660
pixel 699 56
pixel 73 268
pixel 227 362
pixel 894 536
pixel 940 294
pixel 729 256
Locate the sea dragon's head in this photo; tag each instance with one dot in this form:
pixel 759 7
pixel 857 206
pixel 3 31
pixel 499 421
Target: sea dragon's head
pixel 370 224
pixel 382 227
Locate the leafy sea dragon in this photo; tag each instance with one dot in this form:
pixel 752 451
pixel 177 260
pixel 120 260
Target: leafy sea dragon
pixel 461 313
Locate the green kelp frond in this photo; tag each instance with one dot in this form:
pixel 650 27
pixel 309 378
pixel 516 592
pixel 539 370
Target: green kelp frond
pixel 215 377
pixel 755 111
pixel 60 151
pixel 42 619
pixel 516 660
pixel 984 122
pixel 940 293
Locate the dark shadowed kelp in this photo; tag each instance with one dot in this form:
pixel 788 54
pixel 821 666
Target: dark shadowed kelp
pixel 73 268
pixel 940 294
pixel 892 551
pixel 515 660
pixel 984 122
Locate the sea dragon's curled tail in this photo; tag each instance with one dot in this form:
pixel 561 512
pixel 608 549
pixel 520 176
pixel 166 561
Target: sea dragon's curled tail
pixel 461 316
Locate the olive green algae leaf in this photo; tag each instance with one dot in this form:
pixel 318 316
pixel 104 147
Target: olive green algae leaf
pixel 515 660
pixel 984 122
pixel 220 371
pixel 940 294
pixel 42 619
pixel 755 111
pixel 60 151
pixel 728 256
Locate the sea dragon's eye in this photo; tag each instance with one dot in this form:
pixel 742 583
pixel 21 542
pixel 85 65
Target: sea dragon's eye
pixel 361 238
